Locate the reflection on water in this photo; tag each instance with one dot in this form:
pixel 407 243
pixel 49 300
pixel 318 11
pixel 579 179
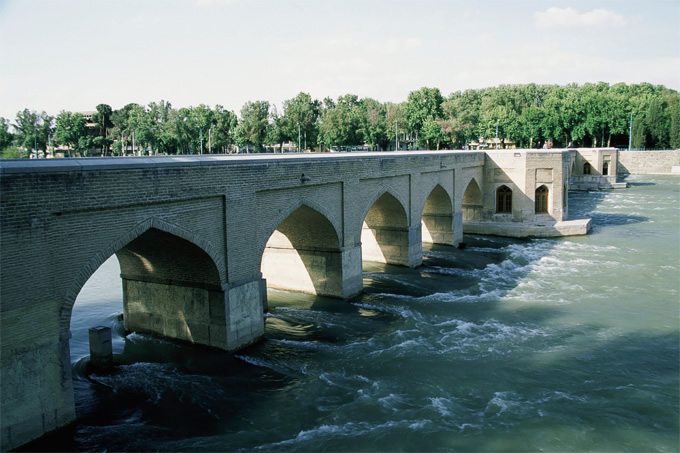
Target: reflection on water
pixel 549 344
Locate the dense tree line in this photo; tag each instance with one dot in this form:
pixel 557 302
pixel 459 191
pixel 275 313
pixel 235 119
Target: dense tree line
pixel 525 115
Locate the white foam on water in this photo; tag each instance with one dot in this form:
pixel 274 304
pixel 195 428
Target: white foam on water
pixel 392 309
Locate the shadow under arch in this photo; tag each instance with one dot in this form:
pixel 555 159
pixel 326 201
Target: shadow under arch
pixel 303 253
pixel 172 284
pixel 437 218
pixel 386 236
pixel 472 202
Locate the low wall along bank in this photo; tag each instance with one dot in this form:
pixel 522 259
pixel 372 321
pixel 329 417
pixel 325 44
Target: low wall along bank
pixel 649 162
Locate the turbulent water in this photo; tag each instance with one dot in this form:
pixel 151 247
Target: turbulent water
pixel 567 344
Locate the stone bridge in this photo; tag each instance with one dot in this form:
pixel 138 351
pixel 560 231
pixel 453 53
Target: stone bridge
pixel 199 240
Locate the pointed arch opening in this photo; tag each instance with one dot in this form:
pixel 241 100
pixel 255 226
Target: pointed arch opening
pixel 303 254
pixel 504 200
pixel 587 168
pixel 437 218
pixel 472 202
pixel 385 232
pixel 168 287
pixel 541 200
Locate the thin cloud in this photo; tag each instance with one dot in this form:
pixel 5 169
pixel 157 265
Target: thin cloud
pixel 564 17
pixel 214 2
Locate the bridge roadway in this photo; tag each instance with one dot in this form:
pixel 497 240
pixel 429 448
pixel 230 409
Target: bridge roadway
pixel 198 239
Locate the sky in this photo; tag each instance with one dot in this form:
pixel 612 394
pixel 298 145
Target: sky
pixel 71 55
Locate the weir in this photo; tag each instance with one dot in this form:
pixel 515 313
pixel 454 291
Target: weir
pixel 199 239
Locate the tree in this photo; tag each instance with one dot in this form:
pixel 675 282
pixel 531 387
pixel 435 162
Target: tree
pixel 225 125
pixel 254 124
pixel 432 133
pixel 33 129
pixel 71 131
pixel 300 118
pixel 673 101
pixel 639 138
pixel 103 121
pixel 421 105
pixel 373 123
pixel 121 129
pixel 657 123
pixel 6 137
pixel 464 108
pixel 340 122
pixel 395 121
pixel 161 116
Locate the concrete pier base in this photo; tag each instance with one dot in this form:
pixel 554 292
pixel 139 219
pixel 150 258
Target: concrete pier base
pixel 525 230
pixel 101 348
pixel 393 245
pixel 226 318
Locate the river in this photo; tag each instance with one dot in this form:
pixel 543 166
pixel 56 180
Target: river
pixel 568 344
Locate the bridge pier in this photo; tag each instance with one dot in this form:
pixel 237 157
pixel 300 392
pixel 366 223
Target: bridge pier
pixel 325 272
pixel 37 389
pixel 443 229
pixel 438 229
pixel 226 317
pixel 401 246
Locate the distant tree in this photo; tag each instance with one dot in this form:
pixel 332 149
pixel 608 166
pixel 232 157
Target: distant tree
pixel 254 124
pixel 103 121
pixel 71 131
pixel 373 123
pixel 421 105
pixel 673 102
pixel 639 139
pixel 395 121
pixel 464 108
pixel 300 117
pixel 340 122
pixel 657 124
pixel 432 133
pixel 225 125
pixel 32 129
pixel 6 137
pixel 121 130
pixel 160 116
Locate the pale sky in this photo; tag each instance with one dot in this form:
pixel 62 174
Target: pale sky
pixel 74 54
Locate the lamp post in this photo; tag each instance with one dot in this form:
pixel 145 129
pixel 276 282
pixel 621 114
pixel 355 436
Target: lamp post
pixel 496 134
pixel 298 137
pixel 396 135
pixel 630 132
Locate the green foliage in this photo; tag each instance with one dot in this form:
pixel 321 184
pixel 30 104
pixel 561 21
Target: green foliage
pixel 340 123
pixel 6 137
pixel 594 114
pixel 373 123
pixel 422 105
pixel 254 125
pixel 103 122
pixel 32 129
pixel 71 131
pixel 300 119
pixel 12 153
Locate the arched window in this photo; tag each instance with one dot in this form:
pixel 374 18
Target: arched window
pixel 542 200
pixel 605 168
pixel 503 200
pixel 586 168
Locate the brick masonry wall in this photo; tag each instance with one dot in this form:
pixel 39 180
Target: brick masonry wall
pixel 61 219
